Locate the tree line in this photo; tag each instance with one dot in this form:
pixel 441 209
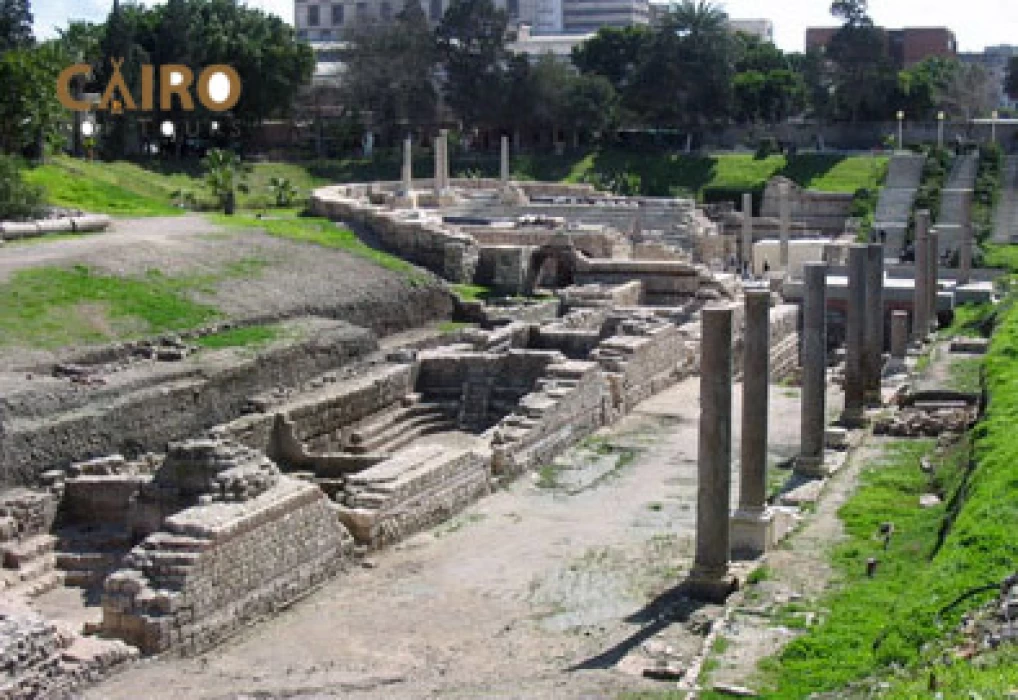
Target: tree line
pixel 687 72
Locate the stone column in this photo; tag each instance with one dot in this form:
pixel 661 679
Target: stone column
pixel 751 524
pixel 709 578
pixel 933 258
pixel 873 333
pixel 445 159
pixel 921 299
pixel 504 164
pixel 747 229
pixel 408 168
pixel 899 334
pixel 965 249
pixel 852 416
pixel 439 147
pixel 814 371
pixel 786 223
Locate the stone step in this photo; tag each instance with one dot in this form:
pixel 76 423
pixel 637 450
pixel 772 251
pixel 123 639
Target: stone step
pixel 18 553
pixel 386 421
pixel 396 431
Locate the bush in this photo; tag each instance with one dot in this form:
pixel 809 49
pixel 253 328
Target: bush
pixel 767 147
pixel 18 199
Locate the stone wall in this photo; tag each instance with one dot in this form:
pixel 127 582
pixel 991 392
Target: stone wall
pixel 825 212
pixel 51 422
pixel 416 489
pixel 257 541
pixel 572 400
pixel 642 360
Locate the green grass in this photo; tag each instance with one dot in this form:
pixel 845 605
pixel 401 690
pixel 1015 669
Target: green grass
pixel 759 575
pixel 471 292
pixel 965 374
pixel 57 307
pixel 324 233
pixel 971 320
pixel 250 336
pixel 454 326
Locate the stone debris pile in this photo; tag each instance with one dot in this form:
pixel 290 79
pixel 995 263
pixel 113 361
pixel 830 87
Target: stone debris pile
pixel 920 422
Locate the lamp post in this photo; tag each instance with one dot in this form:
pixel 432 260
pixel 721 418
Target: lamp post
pixel 901 130
pixel 940 130
pixel 994 116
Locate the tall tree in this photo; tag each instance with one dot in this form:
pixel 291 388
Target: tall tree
pixel 30 115
pixel 471 41
pixel 15 25
pixel 390 71
pixel 865 80
pixel 613 53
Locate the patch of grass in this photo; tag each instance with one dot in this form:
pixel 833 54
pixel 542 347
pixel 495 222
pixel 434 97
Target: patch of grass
pixel 57 307
pixel 450 327
pixel 991 675
pixel 547 477
pixel 325 233
pixel 965 374
pixel 249 336
pixel 720 645
pixel 101 188
pixel 655 506
pixel 923 363
pixel 759 575
pixel 471 292
pixel 971 320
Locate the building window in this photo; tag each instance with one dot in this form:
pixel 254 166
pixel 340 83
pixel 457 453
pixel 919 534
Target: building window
pixel 338 15
pixel 385 10
pixel 313 16
pixel 362 11
pixel 436 10
pixel 512 8
pixel 302 34
pixel 325 34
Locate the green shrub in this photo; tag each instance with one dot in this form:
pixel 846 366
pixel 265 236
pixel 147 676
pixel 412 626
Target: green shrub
pixel 767 146
pixel 18 199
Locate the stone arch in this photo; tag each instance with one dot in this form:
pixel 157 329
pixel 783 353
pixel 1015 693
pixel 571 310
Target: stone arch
pixel 562 257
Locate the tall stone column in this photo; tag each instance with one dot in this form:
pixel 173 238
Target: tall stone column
pixel 408 167
pixel 709 578
pixel 899 334
pixel 814 371
pixel 445 159
pixel 786 223
pixel 752 522
pixel 934 260
pixel 504 163
pixel 439 148
pixel 747 229
pixel 921 299
pixel 852 415
pixel 873 333
pixel 965 249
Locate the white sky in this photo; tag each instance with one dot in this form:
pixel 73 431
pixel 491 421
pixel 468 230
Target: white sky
pixel 976 23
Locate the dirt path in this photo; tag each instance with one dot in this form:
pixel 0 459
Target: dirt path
pixel 532 593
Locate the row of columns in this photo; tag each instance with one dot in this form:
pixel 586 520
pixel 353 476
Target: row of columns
pixel 927 270
pixel 442 181
pixel 785 218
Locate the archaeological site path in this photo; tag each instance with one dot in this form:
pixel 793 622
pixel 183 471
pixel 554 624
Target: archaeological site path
pixel 533 592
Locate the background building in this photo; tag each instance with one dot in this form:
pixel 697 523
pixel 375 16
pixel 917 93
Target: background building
pixel 907 47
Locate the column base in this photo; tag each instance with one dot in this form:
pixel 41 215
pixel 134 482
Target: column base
pixel 752 533
pixel 810 467
pixel 709 587
pixel 852 419
pixel 405 200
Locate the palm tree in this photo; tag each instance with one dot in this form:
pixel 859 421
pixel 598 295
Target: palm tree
pixel 225 174
pixel 698 18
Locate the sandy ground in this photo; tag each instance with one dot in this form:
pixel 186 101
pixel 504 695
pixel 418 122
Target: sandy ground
pixel 532 593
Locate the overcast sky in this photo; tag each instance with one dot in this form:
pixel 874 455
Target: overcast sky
pixel 976 23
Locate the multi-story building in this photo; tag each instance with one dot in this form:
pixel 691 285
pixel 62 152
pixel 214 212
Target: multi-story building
pixel 906 47
pixel 760 28
pixel 326 20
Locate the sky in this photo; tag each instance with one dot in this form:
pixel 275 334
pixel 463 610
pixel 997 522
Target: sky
pixel 976 23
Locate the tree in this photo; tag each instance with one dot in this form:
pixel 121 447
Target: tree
pixel 865 81
pixel 970 93
pixel 15 25
pixel 613 53
pixel 30 114
pixel 686 70
pixel 18 199
pixel 225 174
pixel 854 12
pixel 922 87
pixel 766 87
pixel 1011 80
pixel 471 43
pixel 390 71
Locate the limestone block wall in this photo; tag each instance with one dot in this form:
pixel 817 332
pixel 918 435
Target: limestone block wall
pixel 573 399
pixel 216 567
pixel 822 211
pixel 412 491
pixel 784 341
pixel 602 295
pixel 423 241
pixel 644 360
pixel 319 415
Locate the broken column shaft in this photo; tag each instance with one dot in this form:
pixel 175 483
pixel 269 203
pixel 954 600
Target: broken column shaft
pixel 933 258
pixel 747 229
pixel 921 298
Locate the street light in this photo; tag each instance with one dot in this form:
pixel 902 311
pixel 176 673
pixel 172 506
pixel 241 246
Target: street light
pixel 901 130
pixel 994 116
pixel 940 130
